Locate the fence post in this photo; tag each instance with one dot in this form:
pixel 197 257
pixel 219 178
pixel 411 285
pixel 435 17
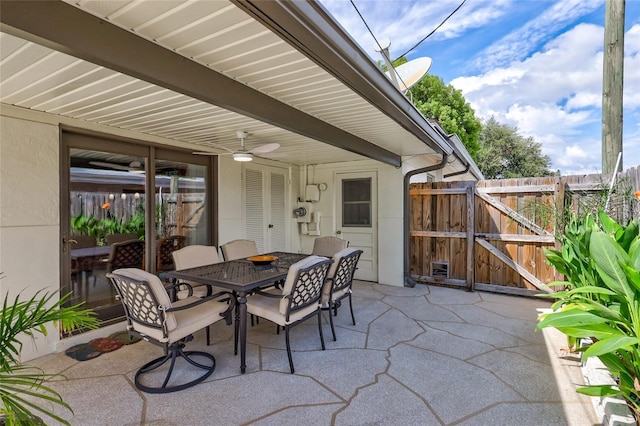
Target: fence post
pixel 471 258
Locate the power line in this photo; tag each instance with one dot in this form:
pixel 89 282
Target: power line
pixel 382 51
pixel 434 30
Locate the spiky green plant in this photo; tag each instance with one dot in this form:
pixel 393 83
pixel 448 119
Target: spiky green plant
pixel 24 388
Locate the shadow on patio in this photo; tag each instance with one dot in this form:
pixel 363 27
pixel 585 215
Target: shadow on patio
pixel 425 355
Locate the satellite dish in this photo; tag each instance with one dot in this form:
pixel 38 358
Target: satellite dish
pixel 410 73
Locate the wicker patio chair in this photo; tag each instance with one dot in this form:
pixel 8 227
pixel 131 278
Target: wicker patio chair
pixel 191 257
pixel 152 317
pixel 328 246
pixel 164 252
pixel 298 300
pixel 238 249
pixel 339 281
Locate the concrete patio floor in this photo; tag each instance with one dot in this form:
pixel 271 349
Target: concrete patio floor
pixel 417 356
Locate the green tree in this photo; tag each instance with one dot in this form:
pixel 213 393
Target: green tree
pixel 446 105
pixel 505 154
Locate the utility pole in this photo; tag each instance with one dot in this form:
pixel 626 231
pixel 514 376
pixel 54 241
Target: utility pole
pixel 612 85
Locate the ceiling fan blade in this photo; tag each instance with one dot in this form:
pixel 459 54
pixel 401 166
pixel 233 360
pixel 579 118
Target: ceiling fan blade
pixel 110 165
pixel 211 153
pixel 265 148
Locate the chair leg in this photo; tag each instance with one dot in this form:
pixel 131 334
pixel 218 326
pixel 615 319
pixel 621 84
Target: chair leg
pixel 286 332
pixel 172 354
pixel 333 330
pixel 207 329
pixel 320 327
pixel 351 308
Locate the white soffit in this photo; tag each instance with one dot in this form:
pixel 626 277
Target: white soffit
pixel 218 35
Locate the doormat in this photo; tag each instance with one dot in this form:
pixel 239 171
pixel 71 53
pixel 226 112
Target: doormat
pixel 99 346
pixel 124 337
pixel 82 352
pixel 106 344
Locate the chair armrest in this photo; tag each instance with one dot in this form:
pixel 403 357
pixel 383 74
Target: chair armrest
pixel 262 293
pixel 227 314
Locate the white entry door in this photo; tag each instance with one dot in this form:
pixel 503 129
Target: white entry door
pixel 265 207
pixel 356 218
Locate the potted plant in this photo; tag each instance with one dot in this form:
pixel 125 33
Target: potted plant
pixel 24 390
pixel 601 300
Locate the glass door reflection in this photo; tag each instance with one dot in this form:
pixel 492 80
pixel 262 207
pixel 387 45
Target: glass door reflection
pixel 107 205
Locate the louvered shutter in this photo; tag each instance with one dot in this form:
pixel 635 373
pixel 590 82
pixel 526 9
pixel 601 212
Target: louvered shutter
pixel 254 207
pixel 278 234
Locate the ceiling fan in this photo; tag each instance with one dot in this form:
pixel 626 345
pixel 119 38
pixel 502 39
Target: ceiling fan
pixel 244 154
pixel 133 167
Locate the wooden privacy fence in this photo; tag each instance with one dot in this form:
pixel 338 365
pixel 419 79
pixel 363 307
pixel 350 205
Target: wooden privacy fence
pixel 491 235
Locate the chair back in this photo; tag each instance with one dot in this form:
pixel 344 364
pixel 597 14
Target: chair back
pixel 126 254
pixel 344 267
pixel 195 255
pixel 118 238
pixel 164 254
pixel 328 246
pixel 144 299
pixel 238 249
pixel 303 285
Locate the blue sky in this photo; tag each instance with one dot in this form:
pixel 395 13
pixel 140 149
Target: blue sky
pixel 533 64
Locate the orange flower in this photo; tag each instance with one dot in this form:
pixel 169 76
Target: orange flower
pixel 106 205
pixel 637 195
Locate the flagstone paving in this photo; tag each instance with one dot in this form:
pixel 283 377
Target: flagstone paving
pixel 417 356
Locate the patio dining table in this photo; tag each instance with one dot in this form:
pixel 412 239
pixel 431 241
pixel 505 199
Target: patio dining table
pixel 241 276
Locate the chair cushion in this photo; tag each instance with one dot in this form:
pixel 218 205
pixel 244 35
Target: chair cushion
pixel 269 308
pixel 328 246
pixel 238 249
pixel 196 318
pixel 195 255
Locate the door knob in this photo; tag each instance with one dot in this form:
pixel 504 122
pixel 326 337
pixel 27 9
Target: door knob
pixel 69 241
pixel 270 226
pixel 338 232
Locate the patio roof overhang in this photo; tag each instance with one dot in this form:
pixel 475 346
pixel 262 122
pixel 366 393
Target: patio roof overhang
pixel 193 73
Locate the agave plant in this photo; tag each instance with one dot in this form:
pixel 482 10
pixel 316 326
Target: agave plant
pixel 23 389
pixel 602 301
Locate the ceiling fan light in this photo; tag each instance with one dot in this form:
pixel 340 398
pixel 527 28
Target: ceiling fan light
pixel 242 156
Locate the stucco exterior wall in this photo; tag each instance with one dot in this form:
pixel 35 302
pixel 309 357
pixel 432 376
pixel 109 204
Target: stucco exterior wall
pixel 29 215
pixel 30 221
pixel 390 212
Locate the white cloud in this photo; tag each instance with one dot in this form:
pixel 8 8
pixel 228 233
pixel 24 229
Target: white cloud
pixel 391 20
pixel 554 94
pixel 523 41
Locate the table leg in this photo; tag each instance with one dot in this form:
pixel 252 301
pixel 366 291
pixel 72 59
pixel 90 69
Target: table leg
pixel 242 308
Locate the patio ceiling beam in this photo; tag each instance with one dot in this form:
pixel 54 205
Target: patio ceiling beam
pixel 309 28
pixel 62 27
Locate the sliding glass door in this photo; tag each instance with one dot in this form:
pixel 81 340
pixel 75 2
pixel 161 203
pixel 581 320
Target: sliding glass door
pixel 114 192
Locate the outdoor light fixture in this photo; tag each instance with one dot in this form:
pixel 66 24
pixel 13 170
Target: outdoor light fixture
pixel 242 156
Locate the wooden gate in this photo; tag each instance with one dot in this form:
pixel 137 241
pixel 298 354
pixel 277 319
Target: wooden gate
pixel 491 235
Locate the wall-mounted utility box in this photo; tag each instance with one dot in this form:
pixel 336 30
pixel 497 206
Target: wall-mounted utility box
pixel 312 193
pixel 306 218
